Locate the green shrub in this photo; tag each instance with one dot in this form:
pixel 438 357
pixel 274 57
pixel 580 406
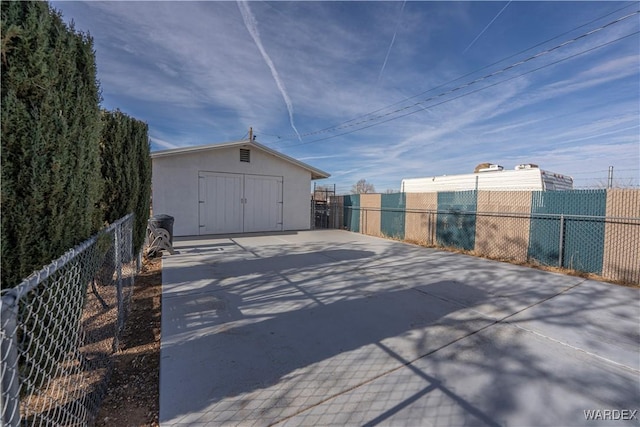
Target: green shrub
pixel 51 180
pixel 126 171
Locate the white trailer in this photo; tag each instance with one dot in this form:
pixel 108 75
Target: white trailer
pixel 524 177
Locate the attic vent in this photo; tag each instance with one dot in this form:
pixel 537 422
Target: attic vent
pixel 245 155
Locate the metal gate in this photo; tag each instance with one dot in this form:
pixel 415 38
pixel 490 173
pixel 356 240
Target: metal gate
pixel 323 207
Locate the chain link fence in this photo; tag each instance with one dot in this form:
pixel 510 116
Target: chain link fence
pixel 59 328
pixel 586 231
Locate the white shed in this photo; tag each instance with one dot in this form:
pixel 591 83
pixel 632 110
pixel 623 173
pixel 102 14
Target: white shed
pixel 234 187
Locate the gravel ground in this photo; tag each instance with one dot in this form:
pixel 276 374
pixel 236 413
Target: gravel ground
pixel 133 393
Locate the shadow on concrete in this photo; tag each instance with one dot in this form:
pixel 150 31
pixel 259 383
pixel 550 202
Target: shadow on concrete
pixel 222 266
pixel 407 306
pixel 259 355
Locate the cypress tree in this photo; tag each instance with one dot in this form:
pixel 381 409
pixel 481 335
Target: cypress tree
pixel 143 155
pixel 51 181
pixel 126 171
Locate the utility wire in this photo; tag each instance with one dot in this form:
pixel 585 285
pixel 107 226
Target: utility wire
pixel 605 171
pixel 485 77
pixel 349 123
pixel 290 136
pixel 419 104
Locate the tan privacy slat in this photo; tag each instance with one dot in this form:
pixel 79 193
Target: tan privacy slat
pixel 370 214
pixel 622 236
pixel 420 227
pixel 503 226
pixel 503 237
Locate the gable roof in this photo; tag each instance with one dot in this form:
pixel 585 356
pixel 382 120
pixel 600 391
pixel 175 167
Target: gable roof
pixel 315 173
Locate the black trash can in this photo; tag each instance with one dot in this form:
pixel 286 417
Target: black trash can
pixel 163 221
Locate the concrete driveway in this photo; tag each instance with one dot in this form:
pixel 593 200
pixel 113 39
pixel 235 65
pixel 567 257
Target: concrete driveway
pixel 336 328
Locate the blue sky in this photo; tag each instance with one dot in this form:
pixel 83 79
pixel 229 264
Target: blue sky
pixel 382 90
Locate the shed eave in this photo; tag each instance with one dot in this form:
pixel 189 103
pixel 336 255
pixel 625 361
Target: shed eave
pixel 315 173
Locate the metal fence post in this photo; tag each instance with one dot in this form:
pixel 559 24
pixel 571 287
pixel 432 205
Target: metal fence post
pixel 430 228
pixel 332 213
pixel 118 262
pixel 561 248
pixel 366 222
pixel 10 392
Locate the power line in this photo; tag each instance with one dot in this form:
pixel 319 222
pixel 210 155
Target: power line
pixel 485 77
pixel 349 123
pixel 454 98
pixel 291 136
pixel 478 70
pixel 605 171
pixel 269 134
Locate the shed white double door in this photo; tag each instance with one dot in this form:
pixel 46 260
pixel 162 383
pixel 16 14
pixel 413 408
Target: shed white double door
pixel 239 203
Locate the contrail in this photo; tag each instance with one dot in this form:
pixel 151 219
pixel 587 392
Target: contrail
pixel 393 39
pixel 487 27
pixel 252 26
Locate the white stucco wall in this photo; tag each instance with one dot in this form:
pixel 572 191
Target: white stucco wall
pixel 175 185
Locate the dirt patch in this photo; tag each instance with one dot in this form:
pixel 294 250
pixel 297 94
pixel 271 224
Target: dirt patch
pixel 133 393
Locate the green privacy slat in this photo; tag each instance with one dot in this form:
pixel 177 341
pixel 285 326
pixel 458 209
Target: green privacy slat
pixel 456 221
pixel 582 243
pixel 352 212
pixel 392 218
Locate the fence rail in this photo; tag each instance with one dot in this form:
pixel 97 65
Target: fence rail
pixel 608 246
pixel 59 328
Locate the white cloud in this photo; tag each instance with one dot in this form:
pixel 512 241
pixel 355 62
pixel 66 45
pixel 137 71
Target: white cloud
pixel 252 27
pixel 162 143
pixel 200 72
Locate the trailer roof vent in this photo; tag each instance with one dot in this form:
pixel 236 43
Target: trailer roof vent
pixel 245 155
pixel 490 168
pixel 526 166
